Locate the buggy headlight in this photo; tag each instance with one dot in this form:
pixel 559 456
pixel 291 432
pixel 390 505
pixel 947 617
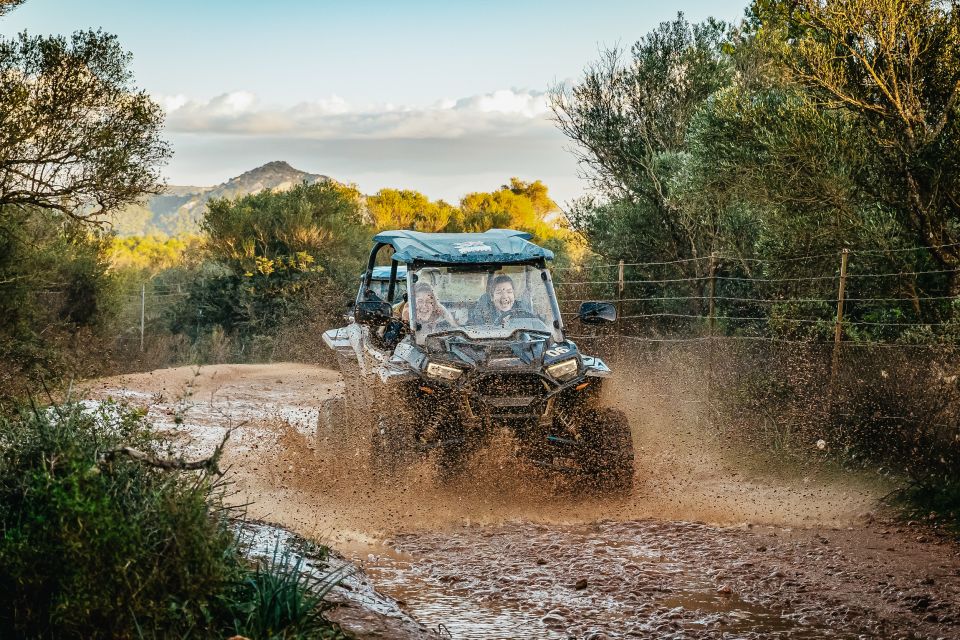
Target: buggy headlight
pixel 563 370
pixel 435 370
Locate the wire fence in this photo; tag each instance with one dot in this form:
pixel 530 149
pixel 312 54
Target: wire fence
pixel 847 350
pixel 714 296
pixel 842 351
pixel 145 309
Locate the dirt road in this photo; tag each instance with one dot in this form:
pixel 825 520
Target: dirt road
pixel 706 546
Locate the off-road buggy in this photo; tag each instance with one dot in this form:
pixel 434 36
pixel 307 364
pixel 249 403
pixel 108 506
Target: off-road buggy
pixel 485 352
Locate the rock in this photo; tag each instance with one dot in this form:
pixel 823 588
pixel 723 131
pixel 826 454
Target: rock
pixel 553 620
pixel 725 590
pixel 580 584
pixel 541 561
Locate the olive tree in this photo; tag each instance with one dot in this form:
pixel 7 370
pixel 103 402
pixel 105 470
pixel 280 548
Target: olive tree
pixel 893 67
pixel 629 121
pixel 76 136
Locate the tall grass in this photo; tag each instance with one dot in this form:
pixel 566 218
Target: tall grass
pixel 280 596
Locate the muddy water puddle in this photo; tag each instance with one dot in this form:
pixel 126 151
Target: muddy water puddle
pixel 542 564
pixel 610 579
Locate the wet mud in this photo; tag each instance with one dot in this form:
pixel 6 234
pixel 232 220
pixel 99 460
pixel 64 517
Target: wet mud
pixel 706 546
pixel 653 579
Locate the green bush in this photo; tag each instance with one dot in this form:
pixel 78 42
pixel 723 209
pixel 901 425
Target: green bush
pixel 55 293
pixel 271 256
pixel 94 545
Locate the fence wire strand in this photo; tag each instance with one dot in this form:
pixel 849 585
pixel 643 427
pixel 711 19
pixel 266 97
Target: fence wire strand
pixel 907 317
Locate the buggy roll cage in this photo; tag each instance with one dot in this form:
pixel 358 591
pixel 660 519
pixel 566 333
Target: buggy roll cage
pixel 490 250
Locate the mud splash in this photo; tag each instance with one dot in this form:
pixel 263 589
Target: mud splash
pixel 278 459
pixel 501 552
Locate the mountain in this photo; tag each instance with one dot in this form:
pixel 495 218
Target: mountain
pixel 179 209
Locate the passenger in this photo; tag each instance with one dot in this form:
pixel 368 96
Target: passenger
pixel 431 315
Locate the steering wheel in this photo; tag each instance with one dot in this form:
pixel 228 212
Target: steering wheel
pixel 518 314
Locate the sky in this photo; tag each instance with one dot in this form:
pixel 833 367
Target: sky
pixel 446 97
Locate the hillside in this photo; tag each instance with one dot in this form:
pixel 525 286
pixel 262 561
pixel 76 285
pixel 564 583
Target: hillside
pixel 179 208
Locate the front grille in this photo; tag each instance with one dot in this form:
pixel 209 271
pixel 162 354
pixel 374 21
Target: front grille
pixel 510 395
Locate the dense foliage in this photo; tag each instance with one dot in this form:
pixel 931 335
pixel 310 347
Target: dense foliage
pixel 77 139
pixel 734 164
pixel 100 546
pixel 55 290
pixel 268 256
pixel 809 128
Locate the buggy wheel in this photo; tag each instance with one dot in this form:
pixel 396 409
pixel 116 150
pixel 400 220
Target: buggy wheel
pixel 607 459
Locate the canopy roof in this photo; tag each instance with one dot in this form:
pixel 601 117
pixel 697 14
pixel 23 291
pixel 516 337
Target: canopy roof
pixel 503 246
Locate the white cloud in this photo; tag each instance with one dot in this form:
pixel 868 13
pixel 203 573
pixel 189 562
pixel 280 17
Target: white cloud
pixel 503 113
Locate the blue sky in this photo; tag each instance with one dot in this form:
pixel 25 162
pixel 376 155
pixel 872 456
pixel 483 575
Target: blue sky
pixel 446 97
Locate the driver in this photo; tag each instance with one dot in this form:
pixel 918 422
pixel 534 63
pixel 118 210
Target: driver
pixel 503 295
pixel 503 299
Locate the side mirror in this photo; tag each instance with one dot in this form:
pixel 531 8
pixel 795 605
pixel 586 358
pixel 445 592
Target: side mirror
pixel 597 312
pixel 373 312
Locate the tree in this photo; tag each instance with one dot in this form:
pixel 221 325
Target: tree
pixel 270 252
pixel 629 122
pixel 536 192
pixel 893 68
pixel 408 209
pixel 75 135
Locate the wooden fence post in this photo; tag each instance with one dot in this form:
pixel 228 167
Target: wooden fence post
pixel 711 318
pixel 838 327
pixel 620 287
pixel 713 291
pixel 143 304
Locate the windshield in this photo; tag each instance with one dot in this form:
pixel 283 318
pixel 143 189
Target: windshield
pixel 483 302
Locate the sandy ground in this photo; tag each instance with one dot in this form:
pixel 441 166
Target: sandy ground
pixel 703 547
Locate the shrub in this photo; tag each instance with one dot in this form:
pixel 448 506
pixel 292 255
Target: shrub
pixel 94 545
pixel 54 291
